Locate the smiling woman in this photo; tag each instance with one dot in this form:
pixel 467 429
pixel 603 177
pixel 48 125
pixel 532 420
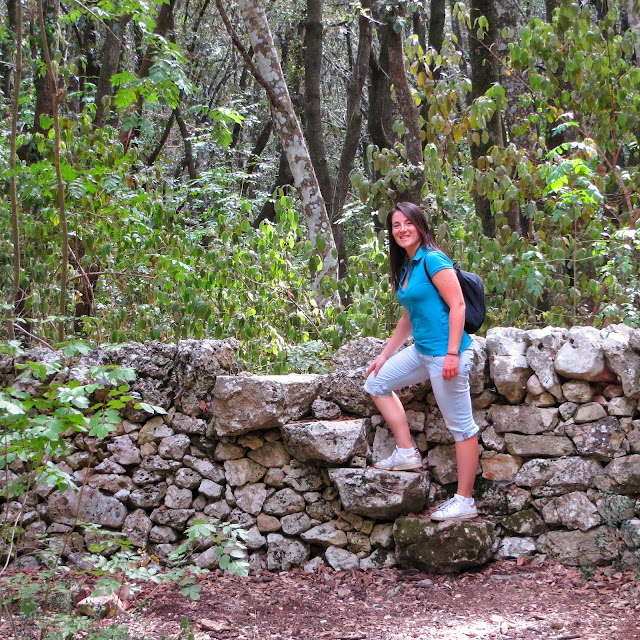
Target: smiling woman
pixel 434 310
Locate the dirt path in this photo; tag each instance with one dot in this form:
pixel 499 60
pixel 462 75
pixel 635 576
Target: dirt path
pixel 503 601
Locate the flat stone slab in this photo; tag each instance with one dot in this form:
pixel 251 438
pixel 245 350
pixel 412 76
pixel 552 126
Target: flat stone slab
pixel 443 547
pixel 383 495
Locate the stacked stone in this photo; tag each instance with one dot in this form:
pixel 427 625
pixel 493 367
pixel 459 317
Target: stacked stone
pixel 289 458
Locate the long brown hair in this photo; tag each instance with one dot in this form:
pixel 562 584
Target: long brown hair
pixel 397 255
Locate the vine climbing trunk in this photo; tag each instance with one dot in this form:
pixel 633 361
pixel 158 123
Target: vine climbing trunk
pixel 268 73
pixel 64 260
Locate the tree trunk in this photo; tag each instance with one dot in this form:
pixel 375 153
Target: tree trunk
pixel 409 112
pixel 313 99
pixel 267 67
pixel 6 50
pixel 436 26
pixel 110 61
pixel 483 76
pixel 284 179
pixel 380 119
pixel 549 6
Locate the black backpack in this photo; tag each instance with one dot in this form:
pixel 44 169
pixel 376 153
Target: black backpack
pixel 473 293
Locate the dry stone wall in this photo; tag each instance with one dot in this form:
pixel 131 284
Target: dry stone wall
pixel 289 458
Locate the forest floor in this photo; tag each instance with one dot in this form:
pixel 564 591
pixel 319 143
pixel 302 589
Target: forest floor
pixel 502 601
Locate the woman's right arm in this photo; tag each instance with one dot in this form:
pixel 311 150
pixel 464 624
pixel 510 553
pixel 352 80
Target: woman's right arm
pixel 398 338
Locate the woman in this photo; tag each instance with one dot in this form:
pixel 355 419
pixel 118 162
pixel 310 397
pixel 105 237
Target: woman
pixel 434 312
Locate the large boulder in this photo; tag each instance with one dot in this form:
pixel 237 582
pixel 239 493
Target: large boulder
pixel 603 440
pixel 88 505
pixel 325 441
pixel 252 403
pixel 443 547
pixel 573 510
pixel 346 389
pixel 541 355
pixel 581 356
pixel 580 548
pixel 507 347
pixel 523 419
pixel 284 553
pixel 382 495
pixel 552 477
pixel 622 359
pixel 356 354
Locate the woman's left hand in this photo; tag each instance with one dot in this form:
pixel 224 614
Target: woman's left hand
pixel 450 367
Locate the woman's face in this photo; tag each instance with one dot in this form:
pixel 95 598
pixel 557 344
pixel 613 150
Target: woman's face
pixel 405 233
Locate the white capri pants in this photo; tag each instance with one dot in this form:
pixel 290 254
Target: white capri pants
pixel 409 367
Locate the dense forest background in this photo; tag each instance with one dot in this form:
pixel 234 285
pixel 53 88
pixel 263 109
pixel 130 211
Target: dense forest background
pixel 157 185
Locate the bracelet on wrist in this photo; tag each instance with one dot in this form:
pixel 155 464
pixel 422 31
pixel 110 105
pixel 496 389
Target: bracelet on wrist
pixel 451 354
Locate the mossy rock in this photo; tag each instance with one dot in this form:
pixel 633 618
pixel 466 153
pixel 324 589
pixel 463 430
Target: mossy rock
pixel 443 547
pixel 527 522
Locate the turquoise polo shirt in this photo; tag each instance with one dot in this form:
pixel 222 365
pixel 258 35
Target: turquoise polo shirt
pixel 428 312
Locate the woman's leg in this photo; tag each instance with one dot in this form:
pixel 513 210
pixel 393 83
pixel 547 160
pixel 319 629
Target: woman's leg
pixel 467 455
pixel 403 369
pixel 394 415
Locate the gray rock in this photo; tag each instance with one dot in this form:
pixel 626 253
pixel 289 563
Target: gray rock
pixel 162 534
pixel 444 547
pixel 580 548
pixel 325 410
pixel 89 505
pixel 622 359
pixel 188 478
pixel 175 518
pixel 621 475
pixel 630 533
pixel 304 478
pixel 177 498
pixel 379 559
pixel 589 412
pixel 523 419
pixel 382 536
pixel 623 407
pixel 441 461
pixel 573 510
pixel 109 466
pixel 284 553
pixel 123 451
pixel 435 429
pixel 358 543
pixel 208 559
pixel 567 409
pixel 512 547
pixel 492 440
pixel 325 441
pixel 527 523
pixel 251 497
pixel 243 471
pixel 211 489
pixel 545 344
pixel 297 523
pixel 110 482
pixel 357 353
pixel 160 465
pixel 228 451
pixel 602 440
pixel 551 477
pixel 271 455
pixel 252 403
pixel 541 446
pixel 324 510
pixel 205 468
pixel 283 503
pixel 581 357
pixel 326 535
pixel 174 447
pixel 219 510
pixel 341 559
pixel 479 374
pixel 578 391
pixel 345 388
pixel 148 496
pixel 274 478
pixel 154 430
pixel 508 366
pixel 187 424
pixel 380 494
pixel 613 509
pixel 143 476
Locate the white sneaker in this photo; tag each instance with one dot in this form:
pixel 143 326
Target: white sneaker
pixel 456 508
pixel 398 461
